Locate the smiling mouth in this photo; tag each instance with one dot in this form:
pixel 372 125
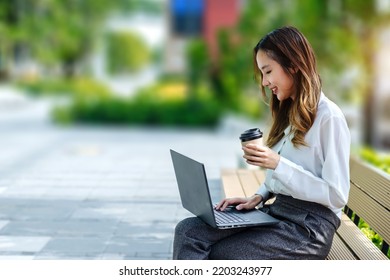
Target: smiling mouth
pixel 273 90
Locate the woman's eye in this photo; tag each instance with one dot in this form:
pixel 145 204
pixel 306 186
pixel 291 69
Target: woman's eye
pixel 268 72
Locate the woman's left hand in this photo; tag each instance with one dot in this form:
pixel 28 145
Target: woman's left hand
pixel 261 156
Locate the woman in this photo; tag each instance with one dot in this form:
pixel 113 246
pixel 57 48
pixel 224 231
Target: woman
pixel 307 161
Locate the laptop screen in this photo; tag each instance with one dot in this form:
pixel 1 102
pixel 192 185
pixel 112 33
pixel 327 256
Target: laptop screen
pixel 193 187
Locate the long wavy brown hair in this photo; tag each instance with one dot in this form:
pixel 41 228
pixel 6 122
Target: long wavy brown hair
pixel 289 47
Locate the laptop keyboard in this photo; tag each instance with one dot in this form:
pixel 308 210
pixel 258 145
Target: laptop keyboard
pixel 222 217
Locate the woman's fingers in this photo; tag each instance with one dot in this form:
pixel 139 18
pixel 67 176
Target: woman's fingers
pixel 222 205
pixel 261 156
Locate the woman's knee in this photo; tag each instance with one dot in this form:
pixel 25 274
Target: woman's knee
pixel 186 225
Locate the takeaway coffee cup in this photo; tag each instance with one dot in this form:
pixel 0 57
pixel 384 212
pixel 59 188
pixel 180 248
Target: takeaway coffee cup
pixel 253 135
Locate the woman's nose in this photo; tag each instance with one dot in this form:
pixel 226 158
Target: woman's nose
pixel 265 82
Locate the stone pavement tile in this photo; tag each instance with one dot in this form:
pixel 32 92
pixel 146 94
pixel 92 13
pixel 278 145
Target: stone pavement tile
pixel 182 213
pixel 112 256
pixel 9 208
pixel 22 243
pixel 23 192
pixel 112 193
pixel 32 228
pixel 25 209
pixel 65 256
pixel 3 223
pixel 151 211
pixel 16 257
pixel 136 245
pixel 39 212
pixel 101 211
pixel 151 256
pixel 75 246
pixel 148 256
pixel 87 228
pixel 156 230
pixel 142 240
pixel 158 194
pixel 70 193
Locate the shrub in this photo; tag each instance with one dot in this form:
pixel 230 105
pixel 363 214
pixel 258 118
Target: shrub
pixel 79 86
pixel 161 104
pixel 381 161
pixel 46 87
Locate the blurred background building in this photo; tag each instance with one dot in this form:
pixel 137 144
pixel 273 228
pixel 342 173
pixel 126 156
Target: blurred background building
pixel 197 18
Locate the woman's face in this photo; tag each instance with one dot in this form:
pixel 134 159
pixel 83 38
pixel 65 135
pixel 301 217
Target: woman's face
pixel 275 77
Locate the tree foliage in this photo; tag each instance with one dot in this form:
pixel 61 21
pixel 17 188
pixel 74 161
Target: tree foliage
pixel 126 52
pixel 53 31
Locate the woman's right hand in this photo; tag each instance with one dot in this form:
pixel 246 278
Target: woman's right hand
pixel 241 203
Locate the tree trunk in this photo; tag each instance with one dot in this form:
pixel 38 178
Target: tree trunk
pixel 368 41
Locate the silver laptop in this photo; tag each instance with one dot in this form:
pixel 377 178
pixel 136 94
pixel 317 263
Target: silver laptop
pixel 195 197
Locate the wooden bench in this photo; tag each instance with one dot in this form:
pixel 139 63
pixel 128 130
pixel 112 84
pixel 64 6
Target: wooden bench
pixel 369 199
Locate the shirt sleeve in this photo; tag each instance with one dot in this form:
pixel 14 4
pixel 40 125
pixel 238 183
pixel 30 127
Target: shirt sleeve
pixel 264 189
pixel 263 192
pixel 332 187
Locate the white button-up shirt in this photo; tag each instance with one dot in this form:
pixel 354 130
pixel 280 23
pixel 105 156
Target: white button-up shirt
pixel 318 172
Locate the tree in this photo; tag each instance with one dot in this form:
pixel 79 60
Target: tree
pixel 54 31
pixel 366 23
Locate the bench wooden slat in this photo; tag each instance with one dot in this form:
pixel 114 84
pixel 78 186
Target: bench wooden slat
pixel 248 181
pixel 358 242
pixel 260 175
pixel 371 181
pixel 339 250
pixel 370 211
pixel 231 184
pixel 241 182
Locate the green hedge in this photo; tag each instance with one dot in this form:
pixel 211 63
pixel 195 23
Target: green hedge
pixel 381 161
pixel 82 86
pixel 149 107
pixel 93 102
pixel 118 111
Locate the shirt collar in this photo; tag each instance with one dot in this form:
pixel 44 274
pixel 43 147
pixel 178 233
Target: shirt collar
pixel 287 130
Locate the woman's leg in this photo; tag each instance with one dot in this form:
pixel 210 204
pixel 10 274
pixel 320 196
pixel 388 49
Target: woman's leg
pixel 305 231
pixel 196 240
pixel 193 239
pixel 285 240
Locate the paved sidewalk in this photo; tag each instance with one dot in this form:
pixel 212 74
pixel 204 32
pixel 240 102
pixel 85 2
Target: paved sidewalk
pixel 96 193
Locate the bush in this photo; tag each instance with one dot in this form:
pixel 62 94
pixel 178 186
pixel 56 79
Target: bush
pixel 46 87
pixel 191 112
pixel 376 159
pixel 77 86
pixel 162 104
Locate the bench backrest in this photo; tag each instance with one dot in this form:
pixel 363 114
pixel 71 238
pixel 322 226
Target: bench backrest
pixel 369 196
